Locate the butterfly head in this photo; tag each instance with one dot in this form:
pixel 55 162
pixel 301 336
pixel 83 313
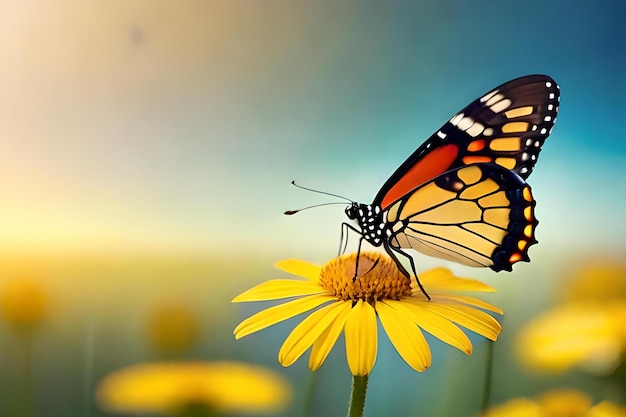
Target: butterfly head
pixel 371 219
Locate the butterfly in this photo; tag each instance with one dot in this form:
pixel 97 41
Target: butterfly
pixel 462 195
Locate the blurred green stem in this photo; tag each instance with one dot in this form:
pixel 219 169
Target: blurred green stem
pixel 88 365
pixel 26 401
pixel 488 372
pixel 357 398
pixel 308 401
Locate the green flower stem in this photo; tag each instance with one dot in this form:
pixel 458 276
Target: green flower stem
pixel 308 404
pixel 488 372
pixel 27 400
pixel 357 397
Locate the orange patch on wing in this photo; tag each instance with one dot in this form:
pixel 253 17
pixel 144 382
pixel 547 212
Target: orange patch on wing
pixel 476 159
pixel 516 257
pixel 528 213
pixel 515 127
pixel 477 145
pixel 522 244
pixel 436 162
pixel 528 231
pixel 527 195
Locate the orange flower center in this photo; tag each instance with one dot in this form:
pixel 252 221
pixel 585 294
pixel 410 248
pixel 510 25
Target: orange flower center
pixel 378 278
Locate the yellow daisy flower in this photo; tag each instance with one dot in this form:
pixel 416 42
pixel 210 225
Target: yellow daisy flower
pixel 345 304
pixel 586 330
pixel 193 388
pixel 556 403
pixel 24 304
pixel 172 328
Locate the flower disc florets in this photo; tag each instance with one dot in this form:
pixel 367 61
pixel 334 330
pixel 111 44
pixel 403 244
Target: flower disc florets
pixel 378 278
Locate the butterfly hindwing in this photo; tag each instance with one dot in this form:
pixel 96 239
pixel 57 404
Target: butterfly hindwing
pixel 507 126
pixel 479 215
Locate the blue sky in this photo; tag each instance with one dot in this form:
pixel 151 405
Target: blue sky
pixel 154 127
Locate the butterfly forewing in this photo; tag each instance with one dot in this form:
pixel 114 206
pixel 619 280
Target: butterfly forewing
pixel 506 126
pixel 478 215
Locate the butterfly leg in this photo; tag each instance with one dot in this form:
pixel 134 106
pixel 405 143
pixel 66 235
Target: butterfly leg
pixel 402 269
pixel 344 245
pixel 343 242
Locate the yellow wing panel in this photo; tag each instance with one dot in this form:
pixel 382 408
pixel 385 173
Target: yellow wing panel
pixel 494 200
pixel 452 235
pixel 453 212
pixel 498 217
pixel 426 197
pixel 488 231
pixel 443 249
pixel 478 190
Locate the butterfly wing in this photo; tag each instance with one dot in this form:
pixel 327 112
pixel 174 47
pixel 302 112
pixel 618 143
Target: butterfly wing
pixel 507 126
pixel 479 215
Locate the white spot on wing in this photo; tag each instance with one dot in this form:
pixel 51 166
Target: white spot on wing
pixel 547 118
pixel 488 96
pixel 456 119
pixel 551 96
pixel 488 132
pixel 548 84
pixel 493 100
pixel 543 131
pixel 501 105
pixel 475 130
pixel 550 106
pixel 465 123
pixel 441 134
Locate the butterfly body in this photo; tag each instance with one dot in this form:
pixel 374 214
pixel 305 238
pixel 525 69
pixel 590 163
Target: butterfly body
pixel 462 195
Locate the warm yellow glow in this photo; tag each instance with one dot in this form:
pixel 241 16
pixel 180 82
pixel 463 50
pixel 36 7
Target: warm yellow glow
pixel 172 328
pixel 170 387
pixel 23 303
pixel 556 403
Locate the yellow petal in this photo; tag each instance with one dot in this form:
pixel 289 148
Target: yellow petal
pixel 300 268
pixel 325 342
pixel 278 313
pixel 278 288
pixel 569 336
pixel 361 338
pixel 405 336
pixel 442 328
pixel 442 279
pixel 517 407
pixel 160 387
pixel 472 301
pixel 475 320
pixel 564 402
pixel 305 333
pixel 606 409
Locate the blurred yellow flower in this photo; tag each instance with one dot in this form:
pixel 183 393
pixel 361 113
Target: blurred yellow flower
pixel 169 388
pixel 351 306
pixel 23 303
pixel 557 403
pixel 172 328
pixel 587 330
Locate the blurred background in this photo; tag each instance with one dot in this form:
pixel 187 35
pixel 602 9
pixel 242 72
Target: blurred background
pixel 147 149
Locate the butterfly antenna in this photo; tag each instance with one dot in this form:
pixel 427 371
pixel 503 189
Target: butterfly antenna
pixel 291 212
pixel 321 192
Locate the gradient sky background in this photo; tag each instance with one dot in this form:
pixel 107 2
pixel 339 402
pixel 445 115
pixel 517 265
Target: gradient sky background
pixel 152 126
